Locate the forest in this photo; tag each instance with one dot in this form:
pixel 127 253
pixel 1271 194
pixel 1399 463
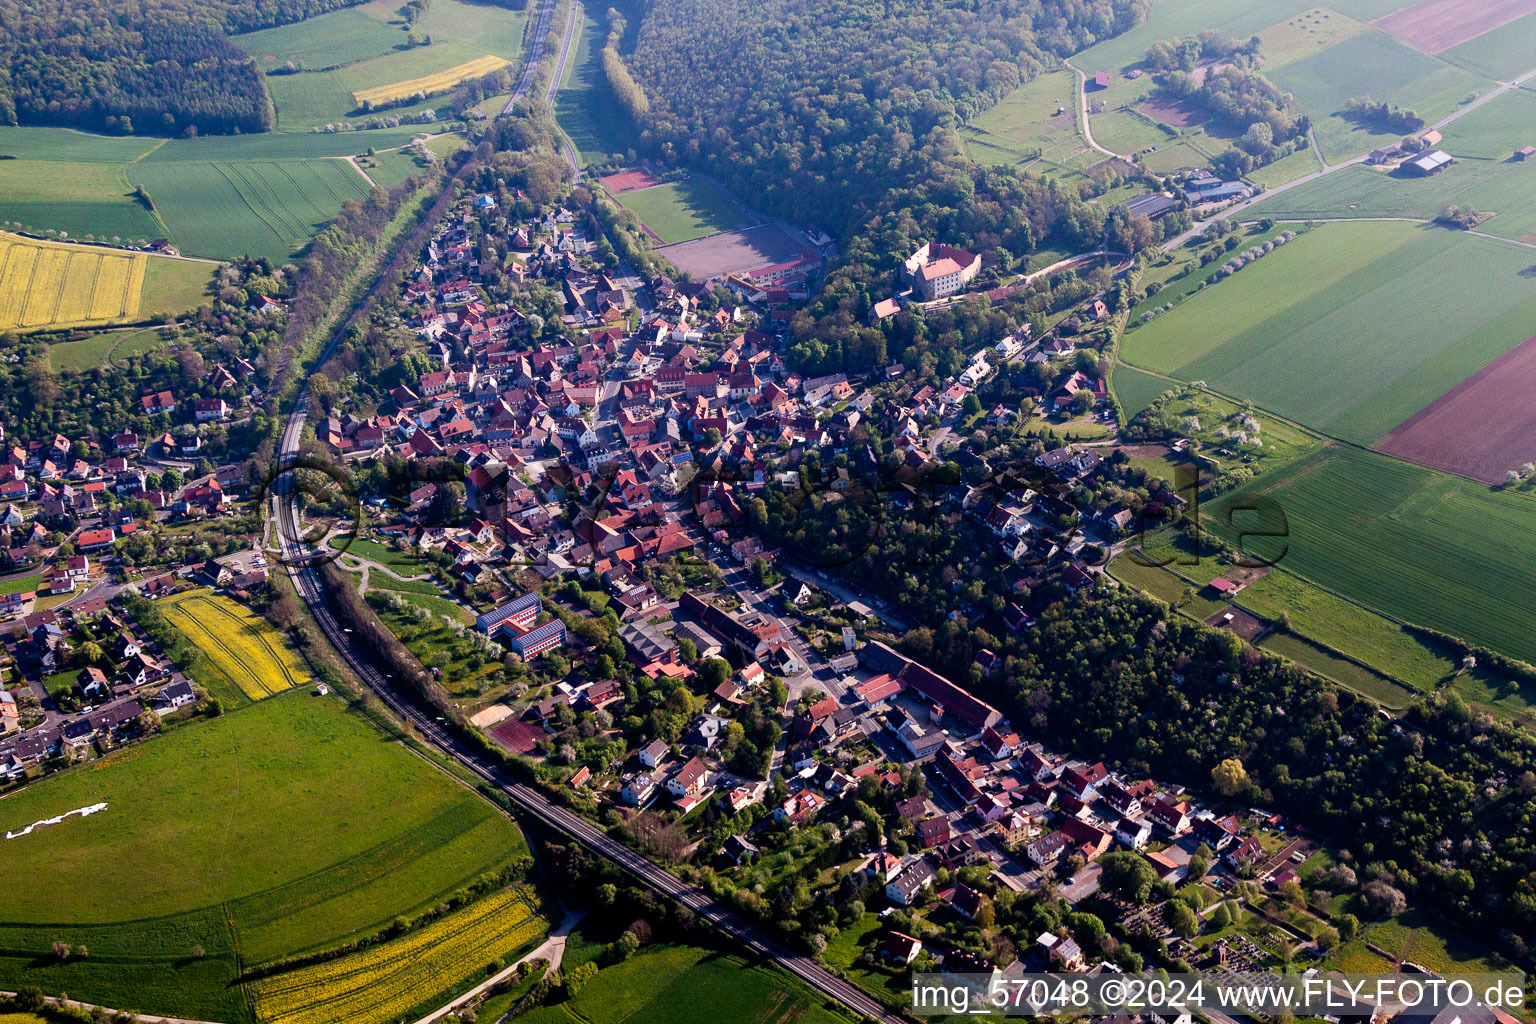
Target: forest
pixel 153 67
pixel 830 105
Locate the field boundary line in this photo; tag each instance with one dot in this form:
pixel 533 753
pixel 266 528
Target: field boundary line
pixel 248 204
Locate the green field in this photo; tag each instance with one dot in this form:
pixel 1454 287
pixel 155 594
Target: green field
pixel 99 348
pixel 585 106
pixel 217 197
pixel 1502 53
pixel 677 984
pixel 1496 186
pixel 1170 19
pixel 1341 670
pixel 1026 120
pixel 1126 132
pixel 1136 389
pixel 363 47
pixel 1287 168
pixel 1376 65
pixel 1347 627
pixel 1306 34
pixel 1318 331
pixel 340 37
pixel 1423 547
pixel 287 826
pixel 265 208
pixel 681 211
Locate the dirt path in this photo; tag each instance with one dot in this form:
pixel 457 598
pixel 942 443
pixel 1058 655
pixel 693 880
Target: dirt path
pixel 1082 113
pixel 359 169
pixel 552 949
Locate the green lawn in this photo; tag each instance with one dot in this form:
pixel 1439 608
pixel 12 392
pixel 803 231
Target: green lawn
pixel 1496 129
pixel 82 199
pixel 681 211
pixel 1358 632
pixel 677 984
pixel 21 584
pixel 403 562
pixel 1124 131
pixel 1316 330
pixel 1422 547
pixel 286 826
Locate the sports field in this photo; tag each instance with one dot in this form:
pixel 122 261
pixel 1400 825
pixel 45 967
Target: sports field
pixel 680 211
pixel 239 646
pixel 1351 328
pixel 288 826
pixel 268 208
pixel 1376 65
pixel 46 284
pixel 1422 547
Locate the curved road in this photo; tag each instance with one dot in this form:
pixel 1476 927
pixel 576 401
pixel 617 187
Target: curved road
pixel 307 583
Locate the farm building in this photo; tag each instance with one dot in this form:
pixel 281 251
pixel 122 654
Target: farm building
pixel 1151 207
pixel 1429 163
pixel 1525 153
pixel 1221 193
pixel 1101 79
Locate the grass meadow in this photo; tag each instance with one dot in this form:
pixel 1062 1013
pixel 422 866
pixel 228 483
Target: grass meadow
pixel 102 347
pixel 1499 187
pixel 287 826
pixel 1319 331
pixel 1348 628
pixel 1502 53
pixel 328 41
pixel 1371 64
pixel 1175 18
pixel 585 106
pixel 681 211
pixel 1305 35
pixel 265 208
pixel 1422 547
pixel 1343 671
pixel 1136 389
pixel 1026 121
pixel 668 984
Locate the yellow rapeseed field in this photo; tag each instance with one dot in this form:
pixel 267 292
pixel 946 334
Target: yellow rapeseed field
pixel 387 981
pixel 51 284
pixel 240 645
pixel 427 85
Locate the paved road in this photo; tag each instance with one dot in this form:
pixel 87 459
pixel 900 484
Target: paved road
pixel 535 54
pixel 307 584
pixel 1199 226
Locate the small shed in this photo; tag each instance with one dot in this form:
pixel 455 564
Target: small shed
pixel 1101 79
pixel 1223 586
